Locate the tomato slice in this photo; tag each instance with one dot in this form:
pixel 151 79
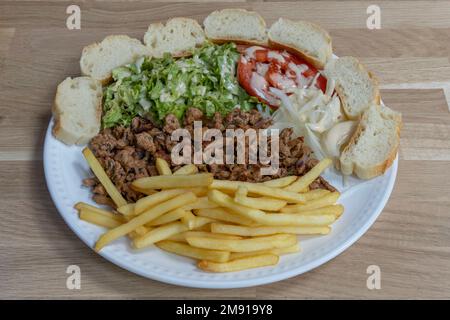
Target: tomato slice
pixel 261 68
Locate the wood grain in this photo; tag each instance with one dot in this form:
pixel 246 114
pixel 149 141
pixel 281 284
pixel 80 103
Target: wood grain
pixel 410 240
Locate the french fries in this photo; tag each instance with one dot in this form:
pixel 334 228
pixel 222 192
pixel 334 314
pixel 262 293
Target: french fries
pixel 277 251
pixel 196 253
pixel 158 234
pixel 127 210
pixel 335 210
pixel 98 219
pixel 144 218
pixel 143 190
pixel 315 194
pixel 224 215
pixel 88 208
pixel 103 178
pixel 227 202
pixel 187 169
pixel 266 230
pixel 226 225
pixel 257 188
pixel 296 219
pixel 181 237
pixel 244 245
pixel 304 181
pixel 163 167
pixel 263 203
pixel 198 191
pixel 151 200
pixel 174 181
pixel 168 217
pixel 239 264
pixel 280 182
pixel 196 222
pixel 201 203
pixel 188 220
pixel 326 200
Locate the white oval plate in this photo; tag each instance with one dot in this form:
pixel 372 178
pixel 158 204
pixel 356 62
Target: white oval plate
pixel 65 167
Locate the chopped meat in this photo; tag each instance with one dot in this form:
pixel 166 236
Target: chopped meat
pixel 139 125
pixel 128 154
pixel 128 158
pixel 144 140
pixel 99 189
pixel 102 199
pixel 171 124
pixel 191 115
pixel 90 182
pixel 103 144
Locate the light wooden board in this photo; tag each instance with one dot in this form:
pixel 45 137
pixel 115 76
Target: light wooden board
pixel 411 239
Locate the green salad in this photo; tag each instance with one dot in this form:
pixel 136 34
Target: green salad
pixel 155 87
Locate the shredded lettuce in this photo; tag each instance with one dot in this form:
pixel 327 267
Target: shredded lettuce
pixel 155 87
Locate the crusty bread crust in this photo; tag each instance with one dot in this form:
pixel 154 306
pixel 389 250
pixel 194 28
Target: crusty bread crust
pixel 60 132
pixel 375 92
pixel 87 50
pixel 239 41
pixel 374 171
pixel 316 63
pixel 185 53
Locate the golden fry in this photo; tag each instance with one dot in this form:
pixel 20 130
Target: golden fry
pixel 315 194
pixel 174 181
pixel 168 217
pixel 201 203
pixel 158 234
pixel 196 253
pixel 226 201
pixel 335 210
pixel 198 191
pixel 163 167
pixel 87 207
pixel 277 251
pixel 239 264
pixel 187 169
pixel 280 182
pixel 224 215
pixel 263 203
pixel 260 189
pixel 244 245
pixel 296 219
pixel 144 191
pixel 144 218
pixel 151 200
pixel 181 237
pixel 127 210
pixel 265 230
pixel 141 230
pixel 326 200
pixel 310 176
pixel 101 175
pixel 98 219
pixel 188 220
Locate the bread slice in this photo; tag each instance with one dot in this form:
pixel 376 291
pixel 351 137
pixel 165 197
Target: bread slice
pixel 373 147
pixel 77 110
pixel 178 37
pixel 237 25
pixel 99 59
pixel 303 38
pixel 357 88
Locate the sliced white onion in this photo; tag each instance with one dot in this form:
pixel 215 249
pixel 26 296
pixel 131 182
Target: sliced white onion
pixel 313 142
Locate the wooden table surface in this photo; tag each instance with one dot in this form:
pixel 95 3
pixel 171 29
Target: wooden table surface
pixel 410 241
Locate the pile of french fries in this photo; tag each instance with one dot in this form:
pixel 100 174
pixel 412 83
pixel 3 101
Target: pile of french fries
pixel 226 225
